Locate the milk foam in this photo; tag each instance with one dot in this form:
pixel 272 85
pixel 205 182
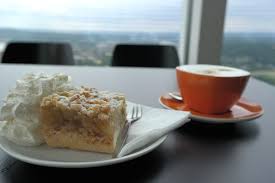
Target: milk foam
pixel 20 112
pixel 214 70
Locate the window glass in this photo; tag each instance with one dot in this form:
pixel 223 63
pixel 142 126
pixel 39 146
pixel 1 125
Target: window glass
pixel 249 37
pixel 93 27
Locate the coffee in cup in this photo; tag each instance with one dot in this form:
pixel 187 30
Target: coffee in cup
pixel 211 89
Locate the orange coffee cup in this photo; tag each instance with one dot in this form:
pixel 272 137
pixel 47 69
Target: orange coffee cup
pixel 211 89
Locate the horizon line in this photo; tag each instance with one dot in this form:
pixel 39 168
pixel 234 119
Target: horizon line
pixel 116 31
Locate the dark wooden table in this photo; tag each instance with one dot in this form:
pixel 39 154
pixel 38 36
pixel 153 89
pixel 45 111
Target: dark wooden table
pixel 201 153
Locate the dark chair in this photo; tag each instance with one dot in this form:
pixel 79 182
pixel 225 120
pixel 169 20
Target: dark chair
pixel 38 53
pixel 145 56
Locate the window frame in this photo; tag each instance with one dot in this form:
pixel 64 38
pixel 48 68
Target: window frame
pixel 202 32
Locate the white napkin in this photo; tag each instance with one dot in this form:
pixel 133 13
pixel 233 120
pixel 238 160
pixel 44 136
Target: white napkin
pixel 154 124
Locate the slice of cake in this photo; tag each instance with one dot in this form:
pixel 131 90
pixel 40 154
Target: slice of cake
pixel 83 119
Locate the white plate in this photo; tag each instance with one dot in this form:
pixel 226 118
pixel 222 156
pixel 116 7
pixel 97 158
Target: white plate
pixel 56 157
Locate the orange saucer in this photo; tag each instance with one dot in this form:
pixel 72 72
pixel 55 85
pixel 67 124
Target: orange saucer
pixel 244 110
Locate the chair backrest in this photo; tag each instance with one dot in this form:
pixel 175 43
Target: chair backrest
pixel 38 53
pixel 145 56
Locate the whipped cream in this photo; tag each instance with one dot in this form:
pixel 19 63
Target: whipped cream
pixel 20 113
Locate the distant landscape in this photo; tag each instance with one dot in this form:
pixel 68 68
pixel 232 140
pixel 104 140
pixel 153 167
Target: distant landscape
pixel 254 52
pixel 251 51
pixel 89 48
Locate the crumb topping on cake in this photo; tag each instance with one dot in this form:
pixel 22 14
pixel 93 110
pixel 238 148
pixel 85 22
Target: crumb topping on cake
pixel 87 101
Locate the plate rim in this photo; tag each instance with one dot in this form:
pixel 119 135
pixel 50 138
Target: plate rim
pixel 89 164
pixel 216 120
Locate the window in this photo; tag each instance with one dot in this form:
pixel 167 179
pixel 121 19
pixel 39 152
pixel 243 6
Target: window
pixel 249 37
pixel 93 27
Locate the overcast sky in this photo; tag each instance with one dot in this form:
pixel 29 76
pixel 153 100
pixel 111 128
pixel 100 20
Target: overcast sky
pixel 127 15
